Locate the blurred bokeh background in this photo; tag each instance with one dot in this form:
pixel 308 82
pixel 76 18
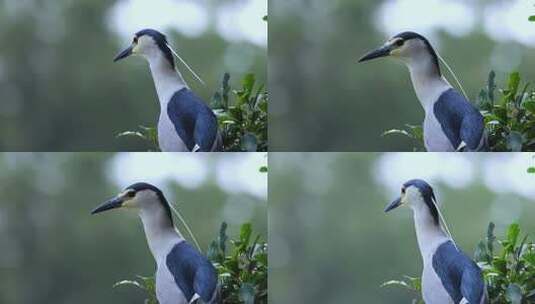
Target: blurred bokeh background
pixel 54 251
pixel 324 101
pixel 331 242
pixel 60 90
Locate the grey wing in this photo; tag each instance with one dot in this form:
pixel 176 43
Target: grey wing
pixel 473 131
pixel 205 284
pixel 194 121
pixel 445 264
pixel 182 110
pixel 193 273
pixel 460 276
pixel 205 133
pixel 460 120
pixel 472 284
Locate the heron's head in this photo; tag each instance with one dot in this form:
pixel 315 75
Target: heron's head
pixel 410 47
pixel 150 44
pixel 141 196
pixel 418 195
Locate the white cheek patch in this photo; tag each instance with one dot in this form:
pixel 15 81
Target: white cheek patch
pixel 413 196
pixel 128 200
pixel 130 203
pixel 142 44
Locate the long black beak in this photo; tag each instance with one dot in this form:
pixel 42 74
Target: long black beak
pixel 393 205
pixel 124 54
pixel 382 52
pixel 111 204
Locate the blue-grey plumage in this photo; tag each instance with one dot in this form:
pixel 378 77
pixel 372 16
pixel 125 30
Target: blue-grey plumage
pixel 193 273
pixel 183 274
pixel 460 276
pixel 194 121
pixel 460 121
pixel 448 276
pixel 451 122
pixel 186 123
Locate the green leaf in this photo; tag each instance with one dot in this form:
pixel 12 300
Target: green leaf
pixel 396 131
pixel 396 283
pixel 491 85
pixel 223 237
pixel 245 233
pixel 481 253
pixel 531 170
pixel 512 236
pixel 531 18
pixel 491 238
pixel 530 106
pixel 264 169
pixel 513 83
pixel 128 283
pixel 248 82
pixel 514 294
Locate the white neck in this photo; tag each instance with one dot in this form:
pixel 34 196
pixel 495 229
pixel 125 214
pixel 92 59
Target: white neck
pixel 428 233
pixel 426 80
pixel 160 232
pixel 166 79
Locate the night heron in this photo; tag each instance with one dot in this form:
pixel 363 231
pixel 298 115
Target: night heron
pixel 183 275
pixel 186 123
pixel 451 122
pixel 449 276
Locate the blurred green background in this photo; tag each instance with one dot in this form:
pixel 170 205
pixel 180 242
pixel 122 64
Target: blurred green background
pixel 60 90
pixel 331 242
pixel 54 251
pixel 324 101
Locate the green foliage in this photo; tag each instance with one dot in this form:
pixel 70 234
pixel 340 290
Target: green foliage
pixel 509 120
pixel 509 115
pixel 243 121
pixel 241 114
pixel 413 284
pixel 242 269
pixel 148 135
pixel 146 284
pixel 532 18
pixel 509 274
pixel 414 132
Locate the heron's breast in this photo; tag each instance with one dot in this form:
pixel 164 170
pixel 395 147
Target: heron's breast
pixel 167 291
pixel 434 137
pixel 433 291
pixel 168 137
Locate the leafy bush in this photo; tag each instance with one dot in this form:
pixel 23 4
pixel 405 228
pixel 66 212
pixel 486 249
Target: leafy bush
pixel 244 121
pixel 149 135
pixel 509 118
pixel 509 274
pixel 242 269
pixel 241 114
